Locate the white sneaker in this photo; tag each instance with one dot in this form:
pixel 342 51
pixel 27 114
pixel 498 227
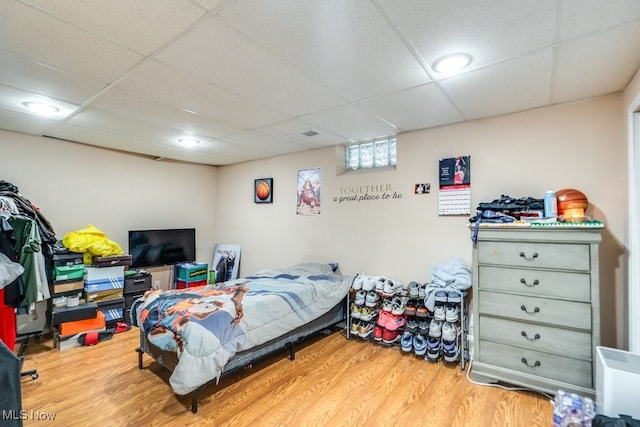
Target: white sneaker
pixel 357 282
pixel 381 282
pixel 391 288
pixel 372 299
pixel 451 313
pixel 369 283
pixel 435 328
pixel 438 312
pixel 449 331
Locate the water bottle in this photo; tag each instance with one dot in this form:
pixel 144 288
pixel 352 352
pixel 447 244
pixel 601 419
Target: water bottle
pixel 588 412
pixel 560 408
pixel 573 418
pixel 550 205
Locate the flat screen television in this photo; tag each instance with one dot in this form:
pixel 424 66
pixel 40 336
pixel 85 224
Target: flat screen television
pixel 152 248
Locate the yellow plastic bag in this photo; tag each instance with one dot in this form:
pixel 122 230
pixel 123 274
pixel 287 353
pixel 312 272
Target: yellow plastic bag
pixel 91 241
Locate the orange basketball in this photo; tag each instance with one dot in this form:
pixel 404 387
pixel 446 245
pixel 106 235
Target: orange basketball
pixel 263 190
pixel 570 198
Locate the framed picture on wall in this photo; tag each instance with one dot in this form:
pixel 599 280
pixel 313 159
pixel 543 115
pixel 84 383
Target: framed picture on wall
pixel 263 190
pixel 226 261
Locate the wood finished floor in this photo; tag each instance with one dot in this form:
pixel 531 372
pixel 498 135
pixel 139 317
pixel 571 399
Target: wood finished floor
pixel 331 382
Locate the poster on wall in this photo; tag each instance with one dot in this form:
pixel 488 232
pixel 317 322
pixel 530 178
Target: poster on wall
pixel 455 186
pixel 226 262
pixel 309 186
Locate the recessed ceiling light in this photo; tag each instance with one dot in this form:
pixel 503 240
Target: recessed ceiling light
pixel 41 108
pixel 452 63
pixel 188 142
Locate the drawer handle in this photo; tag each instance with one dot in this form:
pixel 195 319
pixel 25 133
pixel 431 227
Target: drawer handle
pixel 536 282
pixel 534 256
pixel 535 309
pixel 535 337
pixel 535 365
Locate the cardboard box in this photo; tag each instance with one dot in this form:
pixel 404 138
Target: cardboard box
pixel 103 273
pixel 104 284
pixel 67 286
pixel 181 284
pixel 113 310
pixel 112 261
pixel 77 326
pixel 106 295
pixel 69 272
pixel 191 272
pixel 68 259
pixel 87 310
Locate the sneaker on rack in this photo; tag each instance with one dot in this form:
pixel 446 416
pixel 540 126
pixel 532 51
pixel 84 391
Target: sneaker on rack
pixel 423 326
pixel 450 351
pixel 365 329
pixel 449 331
pixel 372 298
pixel 356 310
pixel 406 341
pixel 357 282
pixel 387 304
pixel 383 318
pixel 399 305
pixel 355 327
pixel 369 283
pixel 433 349
pixel 438 311
pixel 394 322
pixel 451 313
pixel 435 328
pixel 367 313
pixel 391 288
pixel 440 296
pixel 380 283
pixel 421 310
pixel 413 288
pixel 454 295
pixel 390 337
pixel 377 333
pixel 412 324
pixel 360 297
pixel 422 292
pixel 410 308
pixel 419 344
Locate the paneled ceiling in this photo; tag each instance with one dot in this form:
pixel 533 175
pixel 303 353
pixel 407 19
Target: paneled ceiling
pixel 248 78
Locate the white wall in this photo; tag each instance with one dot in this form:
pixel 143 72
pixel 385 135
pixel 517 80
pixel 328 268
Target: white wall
pixel 580 145
pixel 75 185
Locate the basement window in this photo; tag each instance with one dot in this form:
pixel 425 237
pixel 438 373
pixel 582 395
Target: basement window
pixel 371 154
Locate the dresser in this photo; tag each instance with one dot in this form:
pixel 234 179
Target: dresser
pixel 536 312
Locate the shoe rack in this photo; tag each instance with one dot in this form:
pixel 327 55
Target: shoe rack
pixel 407 316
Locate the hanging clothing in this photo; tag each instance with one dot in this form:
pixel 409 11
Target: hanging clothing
pixel 28 245
pixel 14 292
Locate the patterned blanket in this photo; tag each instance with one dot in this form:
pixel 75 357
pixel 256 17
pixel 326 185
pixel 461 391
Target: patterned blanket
pixel 206 326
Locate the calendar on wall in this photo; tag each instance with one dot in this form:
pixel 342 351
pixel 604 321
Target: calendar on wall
pixel 454 195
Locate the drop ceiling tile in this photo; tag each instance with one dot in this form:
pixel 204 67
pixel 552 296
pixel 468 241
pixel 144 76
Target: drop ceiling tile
pixel 181 90
pixel 111 140
pixel 144 27
pixel 15 99
pixel 416 108
pixel 351 122
pixel 28 75
pixel 215 53
pixel 125 104
pixel 293 131
pixel 263 142
pixel 48 40
pixel 230 150
pixel 24 123
pixel 510 86
pixel 585 17
pixel 126 126
pixel 597 65
pixel 490 31
pixel 346 45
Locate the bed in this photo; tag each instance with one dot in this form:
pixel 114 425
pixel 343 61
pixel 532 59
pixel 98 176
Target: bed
pixel 201 334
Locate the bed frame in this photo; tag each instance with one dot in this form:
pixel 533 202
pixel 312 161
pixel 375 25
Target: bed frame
pixel 335 318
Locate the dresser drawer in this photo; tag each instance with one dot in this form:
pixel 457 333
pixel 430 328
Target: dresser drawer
pixel 558 368
pixel 540 310
pixel 532 336
pixel 532 254
pixel 556 284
